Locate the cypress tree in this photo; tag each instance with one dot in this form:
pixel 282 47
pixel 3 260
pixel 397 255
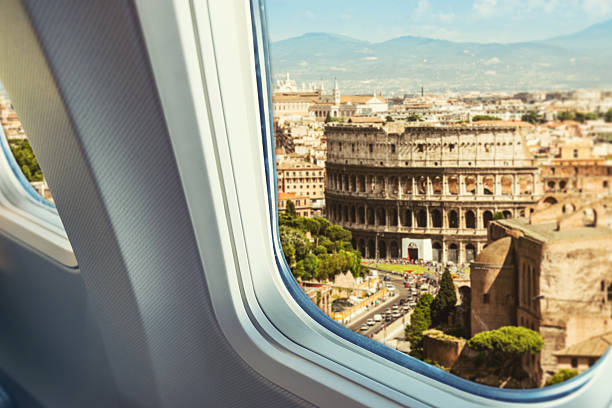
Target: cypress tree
pixel 444 302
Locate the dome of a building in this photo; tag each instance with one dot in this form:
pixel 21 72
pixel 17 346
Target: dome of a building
pixel 496 253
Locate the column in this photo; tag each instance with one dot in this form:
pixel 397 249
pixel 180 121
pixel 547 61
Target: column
pixel 516 190
pixel 445 191
pixel 497 186
pixel 479 185
pixel 461 186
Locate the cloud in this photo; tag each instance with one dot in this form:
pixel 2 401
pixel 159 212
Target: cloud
pixel 490 73
pixel 370 58
pixel 485 8
pixel 492 61
pixel 337 68
pixel 597 7
pixel 446 18
pixel 303 64
pixel 423 8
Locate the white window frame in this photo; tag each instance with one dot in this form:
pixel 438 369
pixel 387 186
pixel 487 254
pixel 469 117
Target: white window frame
pixel 204 62
pixel 27 217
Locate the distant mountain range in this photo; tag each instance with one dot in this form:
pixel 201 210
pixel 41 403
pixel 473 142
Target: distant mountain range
pixel 404 64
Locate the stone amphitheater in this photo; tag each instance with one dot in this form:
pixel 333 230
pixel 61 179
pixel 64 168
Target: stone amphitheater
pixel 445 183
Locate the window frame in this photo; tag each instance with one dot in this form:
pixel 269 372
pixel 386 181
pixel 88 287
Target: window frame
pixel 28 217
pixel 222 128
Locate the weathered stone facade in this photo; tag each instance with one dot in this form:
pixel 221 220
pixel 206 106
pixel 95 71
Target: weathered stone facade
pixel 395 181
pixel 557 277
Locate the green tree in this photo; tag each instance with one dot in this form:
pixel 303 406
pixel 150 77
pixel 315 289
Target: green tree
pixel 608 116
pixel 24 156
pixel 289 253
pixel 532 117
pixel 311 264
pixel 389 119
pixel 420 320
pixel 478 118
pixel 297 239
pixel 499 216
pixel 290 209
pixel 444 302
pixel 506 345
pixel 565 116
pixel 562 375
pixel 414 118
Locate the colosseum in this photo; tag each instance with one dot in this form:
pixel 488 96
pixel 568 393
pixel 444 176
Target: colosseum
pixel 426 191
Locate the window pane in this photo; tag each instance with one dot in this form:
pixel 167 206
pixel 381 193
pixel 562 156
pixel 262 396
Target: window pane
pixel 25 160
pixel 464 152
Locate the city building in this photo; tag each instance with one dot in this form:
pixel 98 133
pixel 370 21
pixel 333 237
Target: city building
pixel 397 185
pixel 303 179
pixel 303 204
pixel 550 273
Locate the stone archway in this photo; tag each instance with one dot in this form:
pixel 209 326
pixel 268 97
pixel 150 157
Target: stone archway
pixel 394 250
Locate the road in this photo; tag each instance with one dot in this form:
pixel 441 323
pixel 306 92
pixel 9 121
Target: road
pixel 400 291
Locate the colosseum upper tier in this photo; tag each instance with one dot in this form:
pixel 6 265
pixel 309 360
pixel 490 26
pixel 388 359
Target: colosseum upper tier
pixel 445 183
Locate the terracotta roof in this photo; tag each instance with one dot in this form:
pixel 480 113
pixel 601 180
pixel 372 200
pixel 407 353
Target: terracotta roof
pixel 290 196
pixel 293 98
pixel 365 119
pixel 496 253
pixel 360 98
pixel 518 123
pixel 593 347
pixel 293 165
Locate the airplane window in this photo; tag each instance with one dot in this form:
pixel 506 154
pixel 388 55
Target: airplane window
pixel 495 267
pixel 25 165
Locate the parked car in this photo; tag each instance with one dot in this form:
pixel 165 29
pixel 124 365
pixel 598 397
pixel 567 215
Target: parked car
pixel 365 327
pixel 402 301
pixel 370 322
pixel 395 314
pixel 378 318
pixel 395 307
pixel 387 278
pixel 388 318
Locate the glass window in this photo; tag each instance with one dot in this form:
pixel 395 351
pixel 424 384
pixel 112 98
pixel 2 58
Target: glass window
pixel 481 156
pixel 24 162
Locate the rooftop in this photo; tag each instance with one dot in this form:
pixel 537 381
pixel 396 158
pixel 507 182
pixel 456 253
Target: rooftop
pixel 547 232
pixel 593 347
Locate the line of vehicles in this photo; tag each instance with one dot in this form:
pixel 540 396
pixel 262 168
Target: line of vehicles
pixel 392 313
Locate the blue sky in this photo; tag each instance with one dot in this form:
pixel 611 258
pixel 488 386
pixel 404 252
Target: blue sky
pixel 458 20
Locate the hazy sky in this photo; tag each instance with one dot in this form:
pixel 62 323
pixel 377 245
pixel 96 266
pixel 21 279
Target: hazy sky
pixel 457 20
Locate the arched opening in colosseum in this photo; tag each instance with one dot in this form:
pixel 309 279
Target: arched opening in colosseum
pixel 437 185
pixel 562 185
pixel 526 184
pixel 436 252
pixel 549 201
pixel 487 216
pixel 506 185
pixel 361 215
pixel 345 182
pixel 470 219
pixel 407 183
pixel 568 208
pixel 453 185
pixel 382 249
pixel 345 214
pixel 489 185
pixel 507 214
pixel 550 186
pixel 436 218
pixel 421 218
pixel 353 183
pixel 353 215
pixel 380 183
pixel 453 255
pixel 394 185
pixel 421 185
pixel 353 243
pixel 370 216
pixel 371 249
pixel 393 217
pixel 362 184
pixel 590 217
pixel 453 219
pixel 362 248
pixel 394 249
pixel 381 216
pixel 470 253
pixel 407 218
pixel 470 184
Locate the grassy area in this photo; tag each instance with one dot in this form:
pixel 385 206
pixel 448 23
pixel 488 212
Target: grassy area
pixel 418 269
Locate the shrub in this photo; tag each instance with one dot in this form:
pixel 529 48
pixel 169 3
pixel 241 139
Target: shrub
pixel 562 375
pixel 508 340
